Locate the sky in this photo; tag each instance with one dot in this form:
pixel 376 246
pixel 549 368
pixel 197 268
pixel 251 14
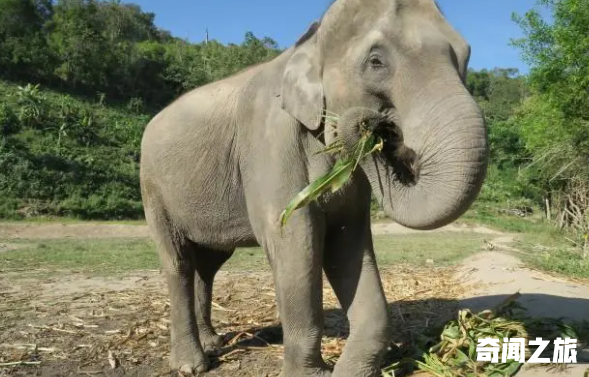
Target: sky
pixel 485 24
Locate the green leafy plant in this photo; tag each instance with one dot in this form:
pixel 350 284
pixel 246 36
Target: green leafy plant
pixel 454 355
pixel 341 172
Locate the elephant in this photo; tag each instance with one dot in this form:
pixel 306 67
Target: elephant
pixel 220 163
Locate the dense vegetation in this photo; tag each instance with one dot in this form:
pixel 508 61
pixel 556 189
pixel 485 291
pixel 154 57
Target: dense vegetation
pixel 81 78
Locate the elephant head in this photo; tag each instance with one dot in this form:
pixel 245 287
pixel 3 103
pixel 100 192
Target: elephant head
pixel 396 64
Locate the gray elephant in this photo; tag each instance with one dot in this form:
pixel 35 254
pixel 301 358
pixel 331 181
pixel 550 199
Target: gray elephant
pixel 220 164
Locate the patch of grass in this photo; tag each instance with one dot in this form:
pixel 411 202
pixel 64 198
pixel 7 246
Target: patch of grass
pixel 93 256
pixel 247 259
pixel 489 216
pixel 416 249
pixel 542 245
pixel 547 249
pixel 70 220
pixel 100 256
pixel 560 260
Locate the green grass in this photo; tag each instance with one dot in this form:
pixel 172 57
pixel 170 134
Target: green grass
pixel 565 262
pixel 416 249
pixel 542 245
pixel 481 214
pixel 69 220
pixel 551 252
pixel 119 256
pixel 92 256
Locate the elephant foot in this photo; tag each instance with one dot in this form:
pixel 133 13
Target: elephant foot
pixel 191 370
pixel 211 343
pixel 189 360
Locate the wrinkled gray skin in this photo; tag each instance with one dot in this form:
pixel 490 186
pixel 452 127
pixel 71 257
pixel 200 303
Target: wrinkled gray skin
pixel 220 164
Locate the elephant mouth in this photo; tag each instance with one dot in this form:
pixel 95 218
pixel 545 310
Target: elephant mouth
pixel 403 160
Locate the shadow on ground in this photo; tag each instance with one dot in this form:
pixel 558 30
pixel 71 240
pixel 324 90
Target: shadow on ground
pixel 538 306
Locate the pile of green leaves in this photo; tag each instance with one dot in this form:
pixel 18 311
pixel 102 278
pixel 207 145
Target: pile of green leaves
pixel 454 355
pixel 346 163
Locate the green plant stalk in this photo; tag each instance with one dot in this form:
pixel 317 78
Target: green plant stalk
pixel 338 176
pixel 455 354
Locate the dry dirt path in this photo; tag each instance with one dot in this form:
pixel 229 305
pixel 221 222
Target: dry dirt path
pixel 500 275
pixel 48 231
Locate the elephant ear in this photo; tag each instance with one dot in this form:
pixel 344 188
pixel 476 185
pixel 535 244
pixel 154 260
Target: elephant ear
pixel 302 91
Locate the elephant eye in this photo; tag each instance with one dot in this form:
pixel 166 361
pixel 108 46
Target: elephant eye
pixel 375 62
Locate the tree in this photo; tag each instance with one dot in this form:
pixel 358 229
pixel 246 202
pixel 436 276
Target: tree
pixel 23 49
pixel 499 91
pixel 559 78
pixel 555 120
pixel 77 41
pixel 127 22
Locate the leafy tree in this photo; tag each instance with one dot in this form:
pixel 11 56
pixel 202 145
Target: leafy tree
pixel 555 120
pixel 499 91
pixel 559 54
pixel 61 155
pixel 23 50
pixel 77 41
pixel 128 22
pixel 478 84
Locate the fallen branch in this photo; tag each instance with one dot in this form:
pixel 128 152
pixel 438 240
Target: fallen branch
pixel 17 363
pixel 32 347
pixel 220 308
pixel 54 329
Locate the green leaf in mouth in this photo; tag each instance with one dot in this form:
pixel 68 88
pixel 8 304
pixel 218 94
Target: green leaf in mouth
pixel 341 172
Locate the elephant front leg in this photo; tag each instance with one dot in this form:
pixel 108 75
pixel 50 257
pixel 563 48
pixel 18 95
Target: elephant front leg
pixel 351 269
pixel 296 262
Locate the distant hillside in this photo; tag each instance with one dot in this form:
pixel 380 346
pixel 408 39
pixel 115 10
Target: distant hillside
pixel 113 49
pixel 70 147
pixel 67 157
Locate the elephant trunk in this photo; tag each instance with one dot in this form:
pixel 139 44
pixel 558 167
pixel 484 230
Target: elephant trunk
pixel 434 161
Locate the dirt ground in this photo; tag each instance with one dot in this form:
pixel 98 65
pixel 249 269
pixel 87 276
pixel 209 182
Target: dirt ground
pixel 48 231
pixel 79 325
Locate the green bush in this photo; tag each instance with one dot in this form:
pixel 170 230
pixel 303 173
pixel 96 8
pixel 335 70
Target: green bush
pixel 61 156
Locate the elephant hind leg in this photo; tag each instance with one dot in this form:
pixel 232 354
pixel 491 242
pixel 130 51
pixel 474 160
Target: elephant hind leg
pixel 207 264
pixel 177 256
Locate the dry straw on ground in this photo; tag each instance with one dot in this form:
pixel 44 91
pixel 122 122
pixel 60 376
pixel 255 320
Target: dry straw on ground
pixel 128 329
pixel 94 332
